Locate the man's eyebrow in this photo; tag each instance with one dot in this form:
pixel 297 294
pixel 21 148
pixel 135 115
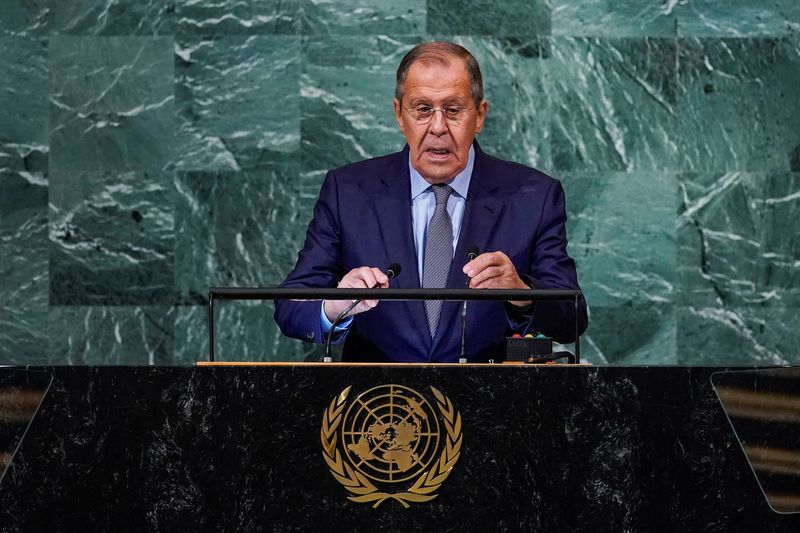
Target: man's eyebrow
pixel 453 100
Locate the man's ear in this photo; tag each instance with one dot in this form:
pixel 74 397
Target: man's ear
pixel 398 114
pixel 482 109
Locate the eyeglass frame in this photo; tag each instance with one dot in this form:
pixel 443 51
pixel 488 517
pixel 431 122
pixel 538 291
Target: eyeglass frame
pixel 462 109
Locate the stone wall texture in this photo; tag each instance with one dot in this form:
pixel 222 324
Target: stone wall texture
pixel 151 149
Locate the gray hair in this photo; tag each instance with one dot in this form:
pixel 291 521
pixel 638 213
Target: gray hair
pixel 440 52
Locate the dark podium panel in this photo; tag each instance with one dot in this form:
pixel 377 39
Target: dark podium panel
pixel 496 447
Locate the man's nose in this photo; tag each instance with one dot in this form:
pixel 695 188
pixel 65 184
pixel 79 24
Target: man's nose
pixel 438 123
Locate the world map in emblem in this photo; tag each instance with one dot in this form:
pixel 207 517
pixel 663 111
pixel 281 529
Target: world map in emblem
pixel 390 433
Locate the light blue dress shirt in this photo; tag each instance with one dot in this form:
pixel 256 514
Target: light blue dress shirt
pixel 423 204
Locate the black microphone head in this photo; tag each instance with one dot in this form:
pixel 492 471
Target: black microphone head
pixel 393 270
pixel 473 251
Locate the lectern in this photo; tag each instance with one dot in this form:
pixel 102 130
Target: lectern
pixel 290 447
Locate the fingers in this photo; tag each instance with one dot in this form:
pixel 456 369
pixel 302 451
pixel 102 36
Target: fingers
pixel 485 260
pixel 487 278
pixel 487 266
pixel 364 278
pixel 493 270
pixel 358 278
pixel 381 279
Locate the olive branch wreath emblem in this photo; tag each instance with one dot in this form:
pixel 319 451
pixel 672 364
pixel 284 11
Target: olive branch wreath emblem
pixel 363 490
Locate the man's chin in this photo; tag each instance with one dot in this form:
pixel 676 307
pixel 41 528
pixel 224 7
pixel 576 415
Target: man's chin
pixel 438 171
pixel 438 175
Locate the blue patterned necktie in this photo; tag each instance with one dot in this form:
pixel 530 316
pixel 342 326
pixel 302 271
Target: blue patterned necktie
pixel 438 254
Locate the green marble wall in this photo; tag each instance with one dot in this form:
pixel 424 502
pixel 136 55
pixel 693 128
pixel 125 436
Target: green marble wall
pixel 149 149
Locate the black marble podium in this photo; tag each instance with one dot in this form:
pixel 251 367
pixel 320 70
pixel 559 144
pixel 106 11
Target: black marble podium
pixel 554 448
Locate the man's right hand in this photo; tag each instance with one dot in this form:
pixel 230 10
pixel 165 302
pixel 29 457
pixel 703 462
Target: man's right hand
pixel 358 278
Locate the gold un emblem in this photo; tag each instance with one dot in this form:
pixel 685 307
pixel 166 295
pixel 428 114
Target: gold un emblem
pixel 390 436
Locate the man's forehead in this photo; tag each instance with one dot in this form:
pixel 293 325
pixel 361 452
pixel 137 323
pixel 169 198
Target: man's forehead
pixel 437 76
pixel 439 62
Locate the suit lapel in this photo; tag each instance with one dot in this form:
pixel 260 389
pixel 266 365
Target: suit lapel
pixel 392 202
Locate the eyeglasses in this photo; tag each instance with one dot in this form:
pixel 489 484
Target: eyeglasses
pixel 453 114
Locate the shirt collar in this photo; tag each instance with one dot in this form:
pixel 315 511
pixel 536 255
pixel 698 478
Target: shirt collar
pixel 460 183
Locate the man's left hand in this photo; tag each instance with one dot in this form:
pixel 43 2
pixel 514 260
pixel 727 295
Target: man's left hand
pixel 494 270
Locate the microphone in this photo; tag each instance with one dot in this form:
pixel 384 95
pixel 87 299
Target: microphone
pixel 472 252
pixel 391 272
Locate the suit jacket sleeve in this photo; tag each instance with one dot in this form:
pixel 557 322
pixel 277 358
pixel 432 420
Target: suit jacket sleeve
pixel 319 264
pixel 553 268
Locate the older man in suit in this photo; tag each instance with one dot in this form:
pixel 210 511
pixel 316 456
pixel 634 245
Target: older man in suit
pixel 424 208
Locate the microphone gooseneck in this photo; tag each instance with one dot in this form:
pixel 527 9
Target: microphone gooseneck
pixel 391 272
pixel 472 252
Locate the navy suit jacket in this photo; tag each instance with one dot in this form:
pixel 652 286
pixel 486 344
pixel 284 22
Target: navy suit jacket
pixel 363 218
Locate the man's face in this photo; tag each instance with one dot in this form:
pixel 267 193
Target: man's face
pixel 439 149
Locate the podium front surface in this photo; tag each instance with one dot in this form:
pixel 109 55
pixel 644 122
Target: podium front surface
pixel 372 447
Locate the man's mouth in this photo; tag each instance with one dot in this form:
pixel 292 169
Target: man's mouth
pixel 438 153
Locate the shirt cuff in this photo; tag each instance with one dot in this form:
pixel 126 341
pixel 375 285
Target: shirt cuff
pixel 326 324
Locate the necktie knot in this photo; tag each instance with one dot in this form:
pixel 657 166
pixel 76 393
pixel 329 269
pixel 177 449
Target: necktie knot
pixel 442 193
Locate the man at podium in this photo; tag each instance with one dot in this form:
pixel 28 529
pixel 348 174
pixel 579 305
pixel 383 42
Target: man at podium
pixel 429 208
